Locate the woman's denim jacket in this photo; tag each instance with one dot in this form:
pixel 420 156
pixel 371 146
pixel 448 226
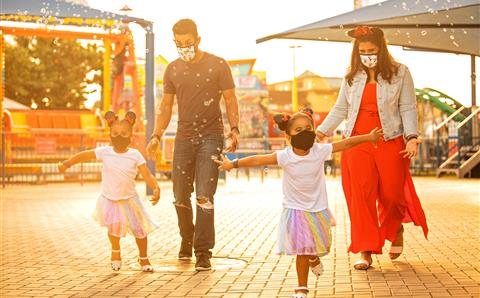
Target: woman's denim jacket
pixel 396 103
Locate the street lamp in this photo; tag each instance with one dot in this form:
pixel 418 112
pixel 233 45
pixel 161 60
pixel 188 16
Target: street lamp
pixel 294 82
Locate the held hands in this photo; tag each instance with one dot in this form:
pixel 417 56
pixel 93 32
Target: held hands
pixel 320 136
pixel 411 148
pixel 156 196
pixel 375 135
pixel 152 148
pixel 225 164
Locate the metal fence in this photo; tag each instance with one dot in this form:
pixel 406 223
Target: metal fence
pixel 32 157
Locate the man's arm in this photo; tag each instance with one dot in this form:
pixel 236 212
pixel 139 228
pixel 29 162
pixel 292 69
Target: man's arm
pixel 164 114
pixel 162 119
pixel 231 104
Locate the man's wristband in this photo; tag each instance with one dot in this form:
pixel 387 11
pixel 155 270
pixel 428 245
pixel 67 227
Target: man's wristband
pixel 235 163
pixel 235 128
pixel 155 136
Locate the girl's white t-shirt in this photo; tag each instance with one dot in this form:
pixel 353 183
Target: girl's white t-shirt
pixel 304 186
pixel 118 172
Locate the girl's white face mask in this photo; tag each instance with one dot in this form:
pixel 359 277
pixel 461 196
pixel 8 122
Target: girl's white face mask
pixel 369 61
pixel 187 53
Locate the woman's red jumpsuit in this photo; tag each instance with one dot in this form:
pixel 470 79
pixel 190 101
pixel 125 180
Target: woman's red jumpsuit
pixel 377 184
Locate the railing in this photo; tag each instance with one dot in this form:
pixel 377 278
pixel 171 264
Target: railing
pixel 462 143
pixel 32 157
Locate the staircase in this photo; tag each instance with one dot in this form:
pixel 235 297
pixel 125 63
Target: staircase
pixel 465 162
pixel 461 166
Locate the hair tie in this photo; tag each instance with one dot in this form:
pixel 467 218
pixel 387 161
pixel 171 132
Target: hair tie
pixel 285 117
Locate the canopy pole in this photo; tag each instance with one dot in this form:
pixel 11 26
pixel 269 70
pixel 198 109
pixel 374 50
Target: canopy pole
pixel 2 96
pixel 294 82
pixel 107 96
pixel 474 79
pixel 149 92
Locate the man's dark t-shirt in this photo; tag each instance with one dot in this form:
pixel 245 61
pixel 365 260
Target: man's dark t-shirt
pixel 198 87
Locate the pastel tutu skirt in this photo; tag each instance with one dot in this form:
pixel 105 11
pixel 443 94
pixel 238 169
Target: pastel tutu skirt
pixel 124 216
pixel 304 233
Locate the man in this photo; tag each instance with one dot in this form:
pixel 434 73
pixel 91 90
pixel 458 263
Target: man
pixel 198 80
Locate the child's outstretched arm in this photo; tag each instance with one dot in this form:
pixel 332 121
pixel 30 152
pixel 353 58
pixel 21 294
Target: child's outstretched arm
pixel 151 182
pixel 77 158
pixel 348 143
pixel 250 161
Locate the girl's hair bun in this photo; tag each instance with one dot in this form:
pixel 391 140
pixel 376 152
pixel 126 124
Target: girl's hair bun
pixel 110 117
pixel 307 111
pixel 130 117
pixel 281 120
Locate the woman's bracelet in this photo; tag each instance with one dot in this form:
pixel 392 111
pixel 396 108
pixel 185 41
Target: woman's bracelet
pixel 411 137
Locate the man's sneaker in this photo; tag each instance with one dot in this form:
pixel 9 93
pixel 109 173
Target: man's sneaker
pixel 203 263
pixel 185 252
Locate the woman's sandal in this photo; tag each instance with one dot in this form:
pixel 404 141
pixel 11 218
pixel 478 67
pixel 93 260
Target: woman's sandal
pixel 300 294
pixel 145 268
pixel 316 266
pixel 396 250
pixel 116 264
pixel 363 264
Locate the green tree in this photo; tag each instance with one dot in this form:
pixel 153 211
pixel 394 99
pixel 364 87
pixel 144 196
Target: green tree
pixel 51 72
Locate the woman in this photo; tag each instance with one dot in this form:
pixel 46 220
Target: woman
pixel 377 92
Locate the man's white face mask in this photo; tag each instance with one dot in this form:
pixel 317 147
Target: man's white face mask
pixel 369 61
pixel 187 53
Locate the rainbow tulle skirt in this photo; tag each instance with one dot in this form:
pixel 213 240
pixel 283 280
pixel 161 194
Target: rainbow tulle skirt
pixel 124 216
pixel 304 233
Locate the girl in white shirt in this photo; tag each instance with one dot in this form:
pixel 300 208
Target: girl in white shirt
pixel 304 228
pixel 119 207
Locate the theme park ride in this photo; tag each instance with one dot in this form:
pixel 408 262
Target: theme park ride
pixel 32 131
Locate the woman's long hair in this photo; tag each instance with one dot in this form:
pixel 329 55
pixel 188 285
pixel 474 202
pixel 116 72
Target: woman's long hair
pixel 387 67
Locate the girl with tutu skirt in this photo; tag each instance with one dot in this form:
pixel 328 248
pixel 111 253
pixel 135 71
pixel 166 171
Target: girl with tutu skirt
pixel 305 222
pixel 119 207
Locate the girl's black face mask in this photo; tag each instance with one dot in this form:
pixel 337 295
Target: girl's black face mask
pixel 120 143
pixel 304 140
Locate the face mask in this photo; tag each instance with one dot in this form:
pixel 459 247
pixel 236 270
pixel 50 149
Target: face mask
pixel 120 143
pixel 369 61
pixel 303 140
pixel 186 54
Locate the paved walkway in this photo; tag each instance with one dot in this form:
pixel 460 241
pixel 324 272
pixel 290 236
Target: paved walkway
pixel 51 247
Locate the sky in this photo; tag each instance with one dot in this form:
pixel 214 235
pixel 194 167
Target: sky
pixel 230 28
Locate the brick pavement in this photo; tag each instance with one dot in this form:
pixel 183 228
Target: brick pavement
pixel 51 247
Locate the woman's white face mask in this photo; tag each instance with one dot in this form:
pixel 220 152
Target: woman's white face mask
pixel 369 61
pixel 187 54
